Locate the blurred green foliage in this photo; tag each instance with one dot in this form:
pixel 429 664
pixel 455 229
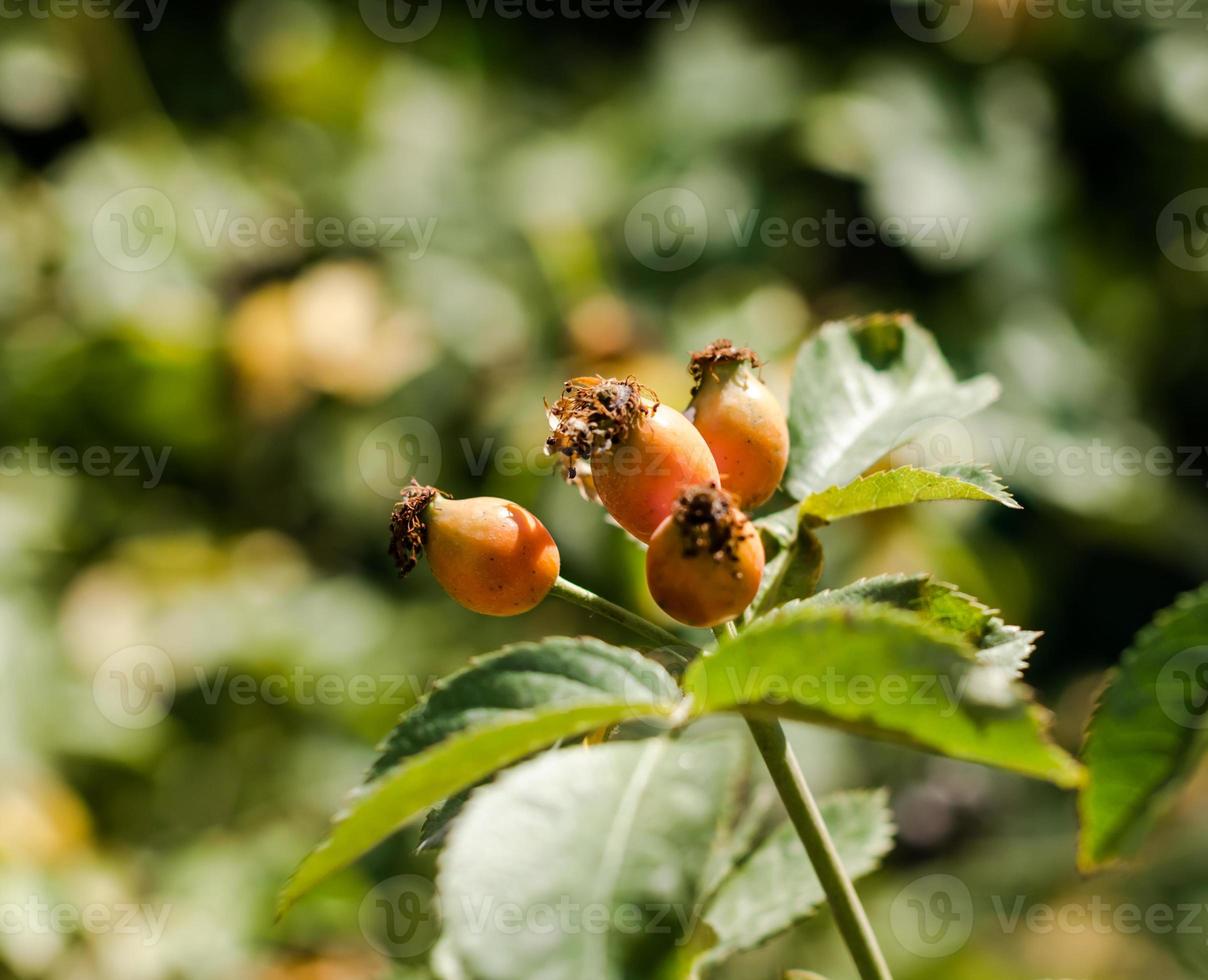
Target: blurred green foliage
pixel 291 386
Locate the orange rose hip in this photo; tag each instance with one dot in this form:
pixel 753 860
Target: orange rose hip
pixel 705 561
pixel 740 420
pixel 490 555
pixel 641 454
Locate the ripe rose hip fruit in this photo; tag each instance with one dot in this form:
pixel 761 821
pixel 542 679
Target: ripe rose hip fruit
pixel 491 555
pixel 740 420
pixel 705 561
pixel 640 454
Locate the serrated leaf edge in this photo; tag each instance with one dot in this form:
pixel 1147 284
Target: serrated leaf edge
pixel 996 492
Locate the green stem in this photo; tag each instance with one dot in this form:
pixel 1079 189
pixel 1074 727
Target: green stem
pixel 811 828
pixel 581 597
pixel 790 783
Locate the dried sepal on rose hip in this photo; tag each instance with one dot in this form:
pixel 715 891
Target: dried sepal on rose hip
pixel 491 555
pixel 740 420
pixel 705 561
pixel 640 453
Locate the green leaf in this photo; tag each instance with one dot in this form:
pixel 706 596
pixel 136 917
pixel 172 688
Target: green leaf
pixel 776 888
pixel 1146 733
pixel 782 525
pixel 753 810
pixel 998 645
pixel 794 554
pixel 528 675
pixel 378 809
pixel 436 823
pixel 882 673
pixel 792 571
pixel 501 709
pixel 603 860
pixel 859 388
pixel 557 670
pixel 901 486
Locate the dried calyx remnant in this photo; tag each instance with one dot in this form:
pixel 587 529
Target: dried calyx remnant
pixel 408 532
pixel 717 353
pixel 593 415
pixel 711 524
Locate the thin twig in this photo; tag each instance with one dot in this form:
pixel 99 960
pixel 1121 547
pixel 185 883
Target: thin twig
pixel 811 828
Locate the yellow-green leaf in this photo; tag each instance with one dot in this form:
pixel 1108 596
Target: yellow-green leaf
pixel 901 486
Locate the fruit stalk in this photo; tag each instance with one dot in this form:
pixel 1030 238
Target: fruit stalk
pixel 576 595
pixel 790 783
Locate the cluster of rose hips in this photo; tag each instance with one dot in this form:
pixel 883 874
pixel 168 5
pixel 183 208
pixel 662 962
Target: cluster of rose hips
pixel 681 483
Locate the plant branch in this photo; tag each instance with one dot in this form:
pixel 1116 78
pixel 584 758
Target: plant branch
pixel 811 828
pixel 581 597
pixel 790 783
